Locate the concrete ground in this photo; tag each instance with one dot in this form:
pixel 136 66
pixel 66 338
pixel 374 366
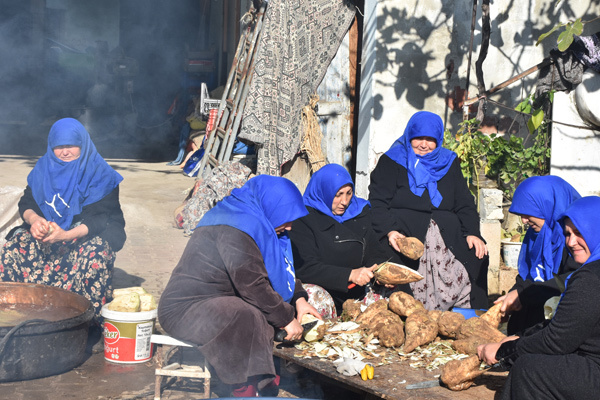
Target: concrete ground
pixel 149 194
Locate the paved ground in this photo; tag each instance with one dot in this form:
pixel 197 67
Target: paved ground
pixel 150 193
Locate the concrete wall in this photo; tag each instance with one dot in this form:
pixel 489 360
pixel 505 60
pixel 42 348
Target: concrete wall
pixel 415 53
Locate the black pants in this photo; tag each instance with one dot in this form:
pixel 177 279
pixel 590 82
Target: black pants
pixel 541 376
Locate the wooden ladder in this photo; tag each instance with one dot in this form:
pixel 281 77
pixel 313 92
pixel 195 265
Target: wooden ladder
pixel 221 138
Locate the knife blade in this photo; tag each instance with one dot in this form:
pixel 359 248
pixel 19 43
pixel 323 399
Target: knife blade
pixel 281 333
pixel 423 385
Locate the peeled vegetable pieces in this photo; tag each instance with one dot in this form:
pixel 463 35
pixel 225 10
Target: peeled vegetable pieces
pixel 459 374
pixel 132 299
pixel 126 303
pixel 389 273
pixel 420 329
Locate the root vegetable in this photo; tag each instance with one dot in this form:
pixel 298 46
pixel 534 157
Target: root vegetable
pixel 371 311
pixel 449 323
pixel 411 247
pixel 493 315
pixel 420 329
pixel 435 314
pixel 480 328
pixel 392 335
pixel 404 304
pixel 389 273
pixel 468 345
pixel 350 310
pixel 459 374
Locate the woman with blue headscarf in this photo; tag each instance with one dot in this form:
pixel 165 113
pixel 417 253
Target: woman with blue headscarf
pixel 334 245
pixel 560 359
pixel 539 201
pixel 235 283
pixel 417 191
pixel 73 223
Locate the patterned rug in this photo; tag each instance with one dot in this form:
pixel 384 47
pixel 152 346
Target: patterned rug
pixel 298 41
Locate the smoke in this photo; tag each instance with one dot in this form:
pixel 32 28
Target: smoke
pixel 117 66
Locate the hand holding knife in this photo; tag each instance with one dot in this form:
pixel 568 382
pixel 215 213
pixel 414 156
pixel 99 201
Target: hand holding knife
pixel 281 333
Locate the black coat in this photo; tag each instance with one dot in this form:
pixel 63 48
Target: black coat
pixel 103 218
pixel 533 295
pixel 395 207
pixel 326 251
pixel 562 360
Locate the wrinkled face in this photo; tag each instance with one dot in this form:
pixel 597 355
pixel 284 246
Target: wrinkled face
pixel 534 222
pixel 423 145
pixel 575 243
pixel 341 200
pixel 282 228
pixel 67 153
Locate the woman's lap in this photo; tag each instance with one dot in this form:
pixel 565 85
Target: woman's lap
pixel 84 267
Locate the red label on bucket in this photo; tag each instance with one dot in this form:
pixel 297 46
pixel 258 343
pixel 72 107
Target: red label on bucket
pixel 127 342
pixel 111 333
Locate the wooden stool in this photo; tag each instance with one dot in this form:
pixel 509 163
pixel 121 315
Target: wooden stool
pixel 177 369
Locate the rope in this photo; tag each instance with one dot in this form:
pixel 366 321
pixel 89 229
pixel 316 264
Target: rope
pixel 311 141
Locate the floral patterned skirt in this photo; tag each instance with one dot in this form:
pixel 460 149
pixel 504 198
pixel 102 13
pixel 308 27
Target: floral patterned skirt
pixel 81 266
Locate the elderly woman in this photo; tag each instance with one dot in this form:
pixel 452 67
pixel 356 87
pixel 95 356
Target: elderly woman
pixel 334 245
pixel 418 191
pixel 73 223
pixel 561 359
pixel 235 284
pixel 539 201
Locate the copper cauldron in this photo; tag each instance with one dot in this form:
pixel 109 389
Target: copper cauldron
pixel 43 330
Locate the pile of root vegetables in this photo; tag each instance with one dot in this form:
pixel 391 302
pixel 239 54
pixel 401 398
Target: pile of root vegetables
pixel 403 326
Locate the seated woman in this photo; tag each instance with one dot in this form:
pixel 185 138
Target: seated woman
pixel 73 223
pixel 417 190
pixel 235 284
pixel 334 245
pixel 539 200
pixel 560 359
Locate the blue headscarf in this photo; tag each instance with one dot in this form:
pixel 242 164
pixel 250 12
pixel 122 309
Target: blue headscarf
pixel 324 185
pixel 545 197
pixel 60 188
pixel 423 171
pixel 257 208
pixel 584 215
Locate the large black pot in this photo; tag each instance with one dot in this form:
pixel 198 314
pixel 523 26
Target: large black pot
pixel 34 348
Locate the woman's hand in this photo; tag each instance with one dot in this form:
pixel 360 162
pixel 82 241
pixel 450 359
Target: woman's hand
pixel 480 247
pixel 361 276
pixel 39 228
pixel 294 330
pixel 487 352
pixel 57 234
pixel 510 302
pixel 393 237
pixel 303 307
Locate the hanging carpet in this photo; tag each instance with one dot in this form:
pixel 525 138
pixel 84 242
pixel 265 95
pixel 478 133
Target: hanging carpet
pixel 298 41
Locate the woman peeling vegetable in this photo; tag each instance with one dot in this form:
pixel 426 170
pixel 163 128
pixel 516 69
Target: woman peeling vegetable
pixel 235 283
pixel 335 248
pixel 539 201
pixel 561 359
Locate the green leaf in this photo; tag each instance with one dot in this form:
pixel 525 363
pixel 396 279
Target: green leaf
pixel 537 117
pixel 566 38
pixel 524 106
pixel 545 35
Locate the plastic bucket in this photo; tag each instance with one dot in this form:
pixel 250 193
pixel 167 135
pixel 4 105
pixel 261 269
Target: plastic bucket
pixel 510 253
pixel 127 336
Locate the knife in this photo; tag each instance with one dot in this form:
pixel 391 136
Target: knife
pixel 281 333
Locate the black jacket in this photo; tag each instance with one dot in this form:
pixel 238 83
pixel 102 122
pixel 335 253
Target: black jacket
pixel 395 207
pixel 533 295
pixel 326 251
pixel 103 218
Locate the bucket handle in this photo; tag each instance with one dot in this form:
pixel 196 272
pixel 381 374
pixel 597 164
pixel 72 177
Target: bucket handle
pixel 16 328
